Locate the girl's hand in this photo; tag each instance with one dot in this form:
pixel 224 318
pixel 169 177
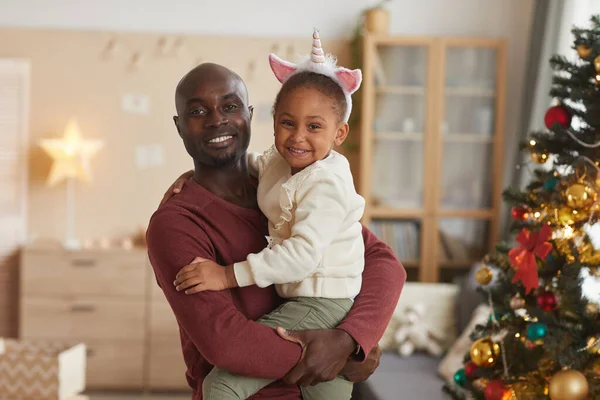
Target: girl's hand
pixel 202 275
pixel 176 186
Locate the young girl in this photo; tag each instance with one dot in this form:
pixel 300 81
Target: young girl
pixel 315 252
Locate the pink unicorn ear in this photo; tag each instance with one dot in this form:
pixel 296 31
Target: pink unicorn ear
pixel 282 69
pixel 350 80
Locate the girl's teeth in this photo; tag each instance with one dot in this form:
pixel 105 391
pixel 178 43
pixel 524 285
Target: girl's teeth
pixel 220 139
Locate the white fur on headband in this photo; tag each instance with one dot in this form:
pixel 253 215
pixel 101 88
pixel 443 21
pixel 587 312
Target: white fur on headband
pixel 318 62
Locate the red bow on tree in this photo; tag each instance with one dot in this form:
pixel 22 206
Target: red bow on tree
pixel 523 257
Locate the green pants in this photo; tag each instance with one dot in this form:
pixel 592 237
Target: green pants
pixel 300 313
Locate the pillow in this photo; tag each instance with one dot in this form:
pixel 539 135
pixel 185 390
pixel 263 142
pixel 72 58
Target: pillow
pixel 453 360
pixel 439 300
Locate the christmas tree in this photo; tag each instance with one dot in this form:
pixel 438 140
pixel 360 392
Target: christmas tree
pixel 542 340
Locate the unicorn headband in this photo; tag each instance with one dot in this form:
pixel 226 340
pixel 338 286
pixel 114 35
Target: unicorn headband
pixel 349 80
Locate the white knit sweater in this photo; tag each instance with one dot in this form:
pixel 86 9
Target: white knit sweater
pixel 316 247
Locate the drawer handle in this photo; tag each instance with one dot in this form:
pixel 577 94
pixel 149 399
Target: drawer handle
pixel 83 262
pixel 82 308
pixel 90 352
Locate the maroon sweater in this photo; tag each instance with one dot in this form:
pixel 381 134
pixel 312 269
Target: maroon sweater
pixel 218 328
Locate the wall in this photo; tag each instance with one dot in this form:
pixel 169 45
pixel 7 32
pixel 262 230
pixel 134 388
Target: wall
pixel 277 18
pixel 68 78
pixel 71 76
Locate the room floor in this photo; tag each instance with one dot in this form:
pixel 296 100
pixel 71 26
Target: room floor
pixel 138 396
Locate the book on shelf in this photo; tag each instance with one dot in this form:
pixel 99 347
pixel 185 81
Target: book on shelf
pixel 401 236
pixel 453 248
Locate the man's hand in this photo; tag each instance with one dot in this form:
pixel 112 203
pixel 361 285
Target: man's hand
pixel 356 371
pixel 176 186
pixel 202 275
pixel 324 354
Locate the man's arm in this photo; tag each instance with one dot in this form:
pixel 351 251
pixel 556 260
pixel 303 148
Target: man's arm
pixel 223 336
pixel 382 282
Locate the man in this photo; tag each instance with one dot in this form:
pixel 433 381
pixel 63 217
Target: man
pixel 215 216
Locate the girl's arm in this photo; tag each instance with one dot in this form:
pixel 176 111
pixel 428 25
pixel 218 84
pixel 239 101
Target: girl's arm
pixel 322 206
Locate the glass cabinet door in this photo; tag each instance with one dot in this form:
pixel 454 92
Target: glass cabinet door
pixel 467 127
pixel 399 125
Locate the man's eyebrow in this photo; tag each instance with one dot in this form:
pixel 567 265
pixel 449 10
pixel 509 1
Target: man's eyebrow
pixel 230 96
pixel 194 100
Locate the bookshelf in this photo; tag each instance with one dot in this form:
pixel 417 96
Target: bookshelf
pixel 431 148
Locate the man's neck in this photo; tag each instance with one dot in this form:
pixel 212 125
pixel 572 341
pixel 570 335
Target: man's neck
pixel 232 183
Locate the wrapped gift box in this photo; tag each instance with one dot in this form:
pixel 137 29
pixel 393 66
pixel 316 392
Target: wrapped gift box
pixel 41 370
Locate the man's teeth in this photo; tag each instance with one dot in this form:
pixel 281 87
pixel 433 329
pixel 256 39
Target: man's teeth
pixel 297 151
pixel 220 139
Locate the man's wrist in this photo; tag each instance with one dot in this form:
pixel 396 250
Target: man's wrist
pixel 230 277
pixel 348 342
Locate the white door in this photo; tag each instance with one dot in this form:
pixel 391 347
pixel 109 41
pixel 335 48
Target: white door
pixel 14 102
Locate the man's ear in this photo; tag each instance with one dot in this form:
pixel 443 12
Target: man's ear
pixel 176 121
pixel 341 134
pixel 251 109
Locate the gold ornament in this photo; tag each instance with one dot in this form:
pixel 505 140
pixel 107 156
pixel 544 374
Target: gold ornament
pixel 568 385
pixel 597 64
pixel 580 195
pixel 595 271
pixel 517 302
pixel 483 276
pixel 539 158
pixel 484 352
pixel 584 51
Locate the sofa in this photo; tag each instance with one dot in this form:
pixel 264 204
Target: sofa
pixel 454 309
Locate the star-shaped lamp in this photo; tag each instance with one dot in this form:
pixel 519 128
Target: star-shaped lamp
pixel 71 155
pixel 71 162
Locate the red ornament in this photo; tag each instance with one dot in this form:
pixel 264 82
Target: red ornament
pixel 522 257
pixel 470 369
pixel 557 115
pixel 547 301
pixel 495 390
pixel 519 213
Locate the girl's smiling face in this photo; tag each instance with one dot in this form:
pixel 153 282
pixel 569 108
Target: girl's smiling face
pixel 307 124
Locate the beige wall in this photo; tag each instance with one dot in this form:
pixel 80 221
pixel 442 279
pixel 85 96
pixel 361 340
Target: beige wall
pixel 71 79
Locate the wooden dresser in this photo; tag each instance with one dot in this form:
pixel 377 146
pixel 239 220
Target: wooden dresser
pixel 109 300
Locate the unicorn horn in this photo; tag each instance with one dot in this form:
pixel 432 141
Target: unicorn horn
pixel 317 55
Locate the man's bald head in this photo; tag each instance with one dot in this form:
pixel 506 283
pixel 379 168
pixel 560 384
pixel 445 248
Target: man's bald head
pixel 213 116
pixel 206 72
